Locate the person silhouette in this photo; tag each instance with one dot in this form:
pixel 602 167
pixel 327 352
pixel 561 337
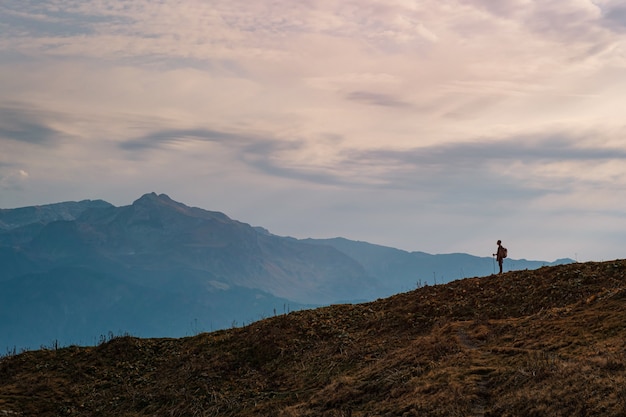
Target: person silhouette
pixel 500 255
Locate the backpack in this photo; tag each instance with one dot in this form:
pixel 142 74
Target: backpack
pixel 505 252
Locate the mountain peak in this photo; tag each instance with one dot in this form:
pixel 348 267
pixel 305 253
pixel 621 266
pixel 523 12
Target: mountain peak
pixel 162 202
pixel 154 200
pixel 154 197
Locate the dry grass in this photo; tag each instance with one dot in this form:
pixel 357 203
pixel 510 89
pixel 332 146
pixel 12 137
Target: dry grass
pixel 527 343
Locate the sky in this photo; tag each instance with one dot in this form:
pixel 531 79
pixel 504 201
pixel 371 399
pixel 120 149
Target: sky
pixel 438 125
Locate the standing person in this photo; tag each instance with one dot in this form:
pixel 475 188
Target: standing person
pixel 500 254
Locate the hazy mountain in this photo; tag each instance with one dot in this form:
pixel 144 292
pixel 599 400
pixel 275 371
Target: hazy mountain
pixel 74 271
pixel 158 242
pixel 15 218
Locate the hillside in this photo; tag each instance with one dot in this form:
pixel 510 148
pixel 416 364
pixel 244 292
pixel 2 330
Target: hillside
pixel 526 343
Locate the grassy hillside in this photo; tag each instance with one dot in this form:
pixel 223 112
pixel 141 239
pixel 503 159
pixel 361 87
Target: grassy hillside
pixel 526 343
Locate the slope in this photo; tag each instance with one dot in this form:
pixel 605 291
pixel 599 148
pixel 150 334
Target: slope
pixel 543 342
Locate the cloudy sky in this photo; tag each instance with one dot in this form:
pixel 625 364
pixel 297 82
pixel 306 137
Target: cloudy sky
pixel 434 125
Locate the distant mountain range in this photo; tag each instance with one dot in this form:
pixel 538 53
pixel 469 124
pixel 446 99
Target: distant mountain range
pixel 73 272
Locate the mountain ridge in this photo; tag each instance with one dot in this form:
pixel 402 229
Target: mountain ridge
pixel 68 210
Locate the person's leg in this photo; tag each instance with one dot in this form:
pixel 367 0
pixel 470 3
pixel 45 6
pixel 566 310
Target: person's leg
pixel 500 263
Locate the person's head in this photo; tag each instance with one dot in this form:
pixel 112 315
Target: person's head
pixel 499 242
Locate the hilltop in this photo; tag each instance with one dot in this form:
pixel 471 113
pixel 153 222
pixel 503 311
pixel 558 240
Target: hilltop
pixel 526 343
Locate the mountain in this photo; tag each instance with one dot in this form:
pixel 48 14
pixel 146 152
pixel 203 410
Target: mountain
pixel 547 342
pixel 158 242
pixel 71 272
pixel 24 216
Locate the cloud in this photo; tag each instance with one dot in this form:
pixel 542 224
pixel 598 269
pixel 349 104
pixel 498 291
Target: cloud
pixel 268 155
pixel 46 20
pixel 461 164
pixel 377 99
pixel 245 143
pixel 517 168
pixel 615 16
pixel 27 126
pixel 163 138
pixel 12 178
pixel 507 9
